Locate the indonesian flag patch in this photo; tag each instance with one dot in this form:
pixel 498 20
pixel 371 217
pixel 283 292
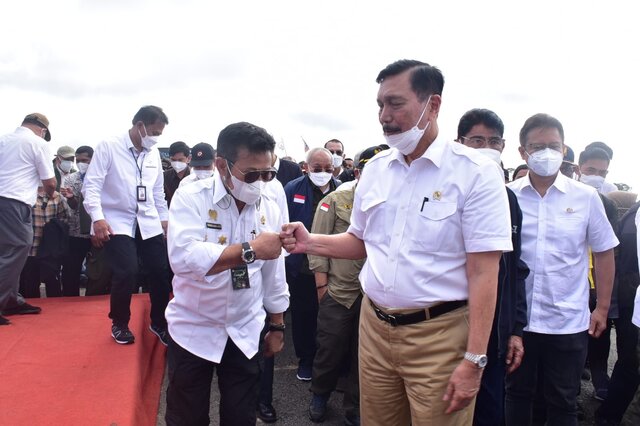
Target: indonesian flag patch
pixel 297 198
pixel 324 207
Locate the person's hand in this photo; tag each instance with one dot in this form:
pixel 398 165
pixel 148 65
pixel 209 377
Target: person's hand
pixel 294 237
pixel 598 322
pixel 66 193
pixel 273 343
pixel 515 352
pixel 102 230
pixel 96 242
pixel 267 246
pixel 55 195
pixel 165 224
pixel 321 292
pixel 463 386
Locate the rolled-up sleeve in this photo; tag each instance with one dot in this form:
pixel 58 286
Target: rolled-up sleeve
pixel 189 254
pixel 276 293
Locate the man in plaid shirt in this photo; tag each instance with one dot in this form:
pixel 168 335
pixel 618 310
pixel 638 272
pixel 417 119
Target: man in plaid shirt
pixel 34 271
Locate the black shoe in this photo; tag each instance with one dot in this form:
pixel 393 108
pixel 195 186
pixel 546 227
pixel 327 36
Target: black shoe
pixel 266 413
pixel 318 408
pixel 122 335
pixel 23 309
pixel 304 373
pixel 4 321
pixel 162 333
pixel 352 420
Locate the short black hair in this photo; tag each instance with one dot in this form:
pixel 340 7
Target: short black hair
pixel 244 135
pixel 482 116
pixel 84 149
pixel 179 147
pixel 425 79
pixel 336 141
pixel 149 114
pixel 518 169
pixel 537 121
pixel 602 146
pixel 593 154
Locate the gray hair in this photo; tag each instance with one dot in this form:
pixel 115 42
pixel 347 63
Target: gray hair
pixel 314 151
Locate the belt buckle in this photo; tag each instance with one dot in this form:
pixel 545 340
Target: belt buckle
pixel 392 319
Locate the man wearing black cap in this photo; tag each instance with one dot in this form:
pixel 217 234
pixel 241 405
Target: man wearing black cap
pixel 202 156
pixel 24 165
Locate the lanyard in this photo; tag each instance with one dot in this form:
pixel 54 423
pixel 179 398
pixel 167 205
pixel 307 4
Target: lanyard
pixel 135 160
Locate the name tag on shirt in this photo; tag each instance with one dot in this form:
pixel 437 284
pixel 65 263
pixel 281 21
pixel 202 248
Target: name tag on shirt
pixel 240 277
pixel 142 192
pixel 216 226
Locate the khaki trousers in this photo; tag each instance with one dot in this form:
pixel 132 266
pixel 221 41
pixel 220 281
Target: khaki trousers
pixel 404 370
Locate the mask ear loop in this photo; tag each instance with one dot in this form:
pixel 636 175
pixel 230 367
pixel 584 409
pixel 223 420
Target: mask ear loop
pixel 422 115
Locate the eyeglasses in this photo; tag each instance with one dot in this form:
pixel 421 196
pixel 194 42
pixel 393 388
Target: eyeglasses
pixel 480 141
pixel 336 151
pixel 320 170
pixel 535 147
pixel 254 175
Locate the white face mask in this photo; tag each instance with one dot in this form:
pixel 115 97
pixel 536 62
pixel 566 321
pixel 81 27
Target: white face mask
pixel 406 142
pixel 494 154
pixel 546 162
pixel 178 166
pixel 248 193
pixel 320 179
pixel 66 165
pixel 202 174
pixel 82 167
pixel 592 180
pixel 148 141
pixel 337 160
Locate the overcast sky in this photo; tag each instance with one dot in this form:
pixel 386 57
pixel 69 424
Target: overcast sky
pixel 307 69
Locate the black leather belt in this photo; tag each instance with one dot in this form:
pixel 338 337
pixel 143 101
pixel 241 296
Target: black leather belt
pixel 419 316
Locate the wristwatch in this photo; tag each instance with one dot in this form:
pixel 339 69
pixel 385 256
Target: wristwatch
pixel 276 327
pixel 479 360
pixel 248 255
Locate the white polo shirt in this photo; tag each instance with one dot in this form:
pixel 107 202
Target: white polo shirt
pixel 636 308
pixel 206 310
pixel 557 231
pixel 419 221
pixel 110 188
pixel 25 162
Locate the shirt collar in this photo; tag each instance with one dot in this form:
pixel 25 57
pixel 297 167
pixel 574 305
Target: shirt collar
pixel 560 183
pixel 131 146
pixel 434 153
pixel 219 190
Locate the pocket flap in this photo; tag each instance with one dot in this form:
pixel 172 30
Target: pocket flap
pixel 437 210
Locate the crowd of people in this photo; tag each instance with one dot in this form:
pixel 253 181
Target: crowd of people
pixel 423 278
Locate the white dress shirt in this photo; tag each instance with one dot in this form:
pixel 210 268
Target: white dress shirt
pixel 110 188
pixel 557 231
pixel 636 308
pixel 206 310
pixel 25 162
pixel 192 177
pixel 419 221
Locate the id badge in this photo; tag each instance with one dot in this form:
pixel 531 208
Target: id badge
pixel 240 277
pixel 142 192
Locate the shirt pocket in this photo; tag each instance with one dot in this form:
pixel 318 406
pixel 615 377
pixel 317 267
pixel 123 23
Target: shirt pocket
pixel 436 227
pixel 379 219
pixel 570 233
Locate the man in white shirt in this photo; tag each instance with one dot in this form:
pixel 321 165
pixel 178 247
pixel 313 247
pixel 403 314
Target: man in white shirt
pixel 202 163
pixel 434 219
pixel 124 195
pixel 24 165
pixel 229 268
pixel 562 219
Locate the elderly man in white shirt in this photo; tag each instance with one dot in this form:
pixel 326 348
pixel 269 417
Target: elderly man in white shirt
pixel 562 219
pixel 433 217
pixel 229 268
pixel 124 195
pixel 24 165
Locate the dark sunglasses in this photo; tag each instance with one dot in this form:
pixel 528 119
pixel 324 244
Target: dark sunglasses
pixel 254 175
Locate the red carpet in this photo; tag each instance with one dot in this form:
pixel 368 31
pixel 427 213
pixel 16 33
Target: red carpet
pixel 62 367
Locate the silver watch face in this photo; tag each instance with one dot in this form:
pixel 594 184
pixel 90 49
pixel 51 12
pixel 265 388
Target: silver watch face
pixel 248 256
pixel 482 361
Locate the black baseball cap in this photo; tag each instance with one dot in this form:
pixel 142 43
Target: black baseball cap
pixel 368 154
pixel 202 154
